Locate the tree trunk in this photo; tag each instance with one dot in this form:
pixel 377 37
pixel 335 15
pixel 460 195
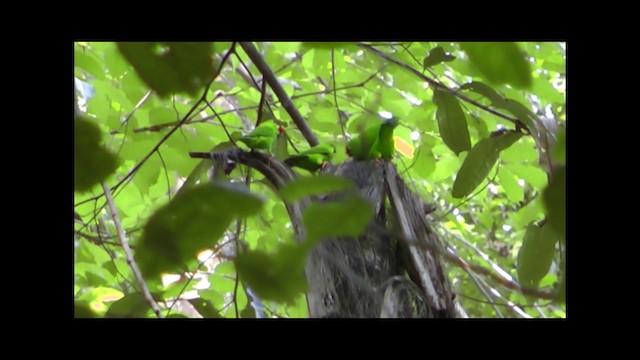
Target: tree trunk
pixel 386 272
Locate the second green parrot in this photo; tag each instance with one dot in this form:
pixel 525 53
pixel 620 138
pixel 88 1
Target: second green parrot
pixel 312 159
pixel 373 142
pixel 262 137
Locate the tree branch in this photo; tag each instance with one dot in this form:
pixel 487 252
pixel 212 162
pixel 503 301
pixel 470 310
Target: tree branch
pixel 287 104
pixel 128 253
pixel 438 84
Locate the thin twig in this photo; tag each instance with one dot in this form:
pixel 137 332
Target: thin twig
pixel 174 129
pixel 96 240
pixel 128 254
pixel 287 104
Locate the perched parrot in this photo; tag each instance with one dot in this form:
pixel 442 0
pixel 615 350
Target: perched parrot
pixel 261 138
pixel 373 142
pixel 312 159
pixel 385 145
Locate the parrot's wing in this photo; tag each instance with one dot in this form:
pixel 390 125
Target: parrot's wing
pixel 322 149
pixel 262 136
pixel 385 139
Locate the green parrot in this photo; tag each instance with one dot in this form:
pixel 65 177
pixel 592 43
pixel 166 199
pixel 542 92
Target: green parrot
pixel 313 159
pixel 373 142
pixel 385 145
pixel 262 137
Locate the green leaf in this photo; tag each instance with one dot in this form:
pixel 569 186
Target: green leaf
pixel 171 67
pixel 346 218
pixel 82 311
pixel 510 185
pixel 535 255
pixel 205 308
pixel 558 153
pixel 314 185
pixel 505 139
pixel 555 201
pixel 531 173
pixel 520 152
pixel 278 277
pixel 519 111
pixel 500 62
pixel 437 56
pixel 248 313
pixel 475 168
pixel 425 164
pixel 130 306
pixel 451 121
pixel 484 90
pixel 92 163
pixel 88 62
pixel 193 221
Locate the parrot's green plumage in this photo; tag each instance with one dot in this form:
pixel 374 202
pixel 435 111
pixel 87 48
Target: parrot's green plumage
pixel 312 159
pixel 385 145
pixel 373 142
pixel 261 138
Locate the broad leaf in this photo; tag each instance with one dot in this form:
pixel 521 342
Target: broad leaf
pixel 277 277
pixel 475 168
pixel 451 121
pixel 193 221
pixel 500 62
pixel 536 254
pixel 484 90
pixel 133 305
pixel 437 56
pixel 92 163
pixel 505 139
pixel 171 67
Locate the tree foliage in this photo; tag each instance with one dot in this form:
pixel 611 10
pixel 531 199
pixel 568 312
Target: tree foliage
pixel 481 138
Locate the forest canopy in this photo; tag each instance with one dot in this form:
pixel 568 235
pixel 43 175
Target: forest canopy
pixel 166 225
